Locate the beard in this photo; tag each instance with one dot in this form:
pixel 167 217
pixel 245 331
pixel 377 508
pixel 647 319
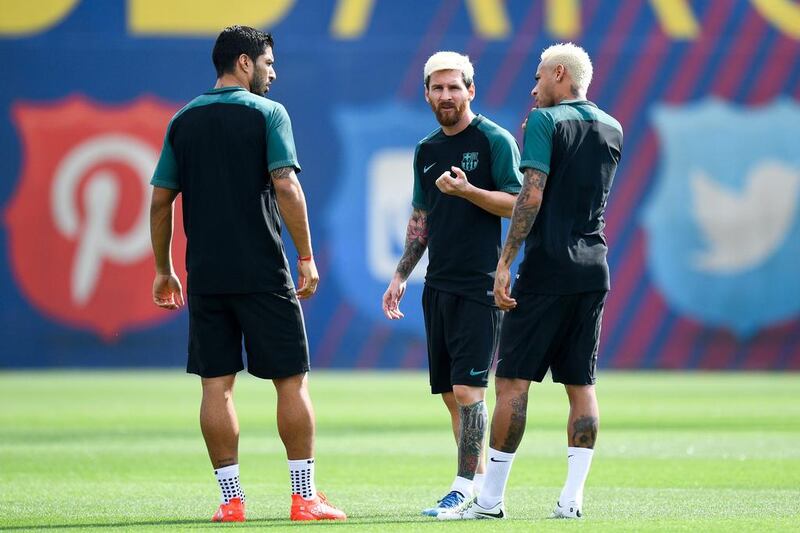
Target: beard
pixel 259 84
pixel 449 116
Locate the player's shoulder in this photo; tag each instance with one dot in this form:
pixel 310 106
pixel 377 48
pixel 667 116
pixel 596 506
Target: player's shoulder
pixel 606 118
pixel 429 137
pixel 493 131
pixel 269 108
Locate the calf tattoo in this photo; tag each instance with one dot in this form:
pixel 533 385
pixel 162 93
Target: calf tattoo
pixel 584 432
pixel 470 437
pixel 516 425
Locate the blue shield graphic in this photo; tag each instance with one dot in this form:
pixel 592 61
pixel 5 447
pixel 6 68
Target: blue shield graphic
pixel 368 216
pixel 722 223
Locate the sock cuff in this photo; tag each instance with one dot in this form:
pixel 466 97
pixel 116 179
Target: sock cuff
pixel 228 471
pixel 571 450
pixel 500 456
pixel 300 464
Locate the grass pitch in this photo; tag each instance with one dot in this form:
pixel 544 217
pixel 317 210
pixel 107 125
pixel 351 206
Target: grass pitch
pixel 122 450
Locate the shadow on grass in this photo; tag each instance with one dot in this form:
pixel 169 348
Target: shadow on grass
pixel 256 522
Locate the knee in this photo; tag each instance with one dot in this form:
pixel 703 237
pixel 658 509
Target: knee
pixel 220 387
pixel 467 395
pixel 511 388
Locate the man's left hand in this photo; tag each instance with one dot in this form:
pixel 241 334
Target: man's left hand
pixel 502 287
pixel 457 186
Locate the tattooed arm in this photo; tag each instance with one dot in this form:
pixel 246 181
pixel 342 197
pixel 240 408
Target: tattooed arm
pixel 525 210
pixel 292 206
pixel 416 242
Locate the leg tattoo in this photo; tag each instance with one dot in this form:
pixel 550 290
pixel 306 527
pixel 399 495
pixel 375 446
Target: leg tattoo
pixel 584 432
pixel 516 425
pixel 470 437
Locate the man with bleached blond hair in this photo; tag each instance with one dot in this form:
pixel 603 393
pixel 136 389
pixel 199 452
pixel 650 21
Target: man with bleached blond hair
pixel 554 313
pixel 465 179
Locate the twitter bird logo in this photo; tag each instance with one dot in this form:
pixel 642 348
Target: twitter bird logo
pixel 722 221
pixel 744 228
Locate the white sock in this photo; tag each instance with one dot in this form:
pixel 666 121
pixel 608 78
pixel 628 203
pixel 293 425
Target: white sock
pixel 578 462
pixel 462 485
pixel 498 467
pixel 301 472
pixel 228 479
pixel 477 483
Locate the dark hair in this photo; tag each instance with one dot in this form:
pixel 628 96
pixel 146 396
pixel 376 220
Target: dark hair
pixel 235 41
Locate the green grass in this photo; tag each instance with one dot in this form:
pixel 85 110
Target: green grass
pixel 677 452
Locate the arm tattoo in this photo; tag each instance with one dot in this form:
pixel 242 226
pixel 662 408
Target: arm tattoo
pixel 516 425
pixel 584 432
pixel 470 437
pixel 416 242
pixel 282 173
pixel 525 211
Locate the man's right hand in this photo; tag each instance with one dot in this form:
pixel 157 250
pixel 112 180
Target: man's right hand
pixel 392 297
pixel 167 291
pixel 307 278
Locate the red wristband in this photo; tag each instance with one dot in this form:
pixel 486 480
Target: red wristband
pixel 307 258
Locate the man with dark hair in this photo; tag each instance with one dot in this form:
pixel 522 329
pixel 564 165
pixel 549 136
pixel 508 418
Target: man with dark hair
pixel 465 181
pixel 230 153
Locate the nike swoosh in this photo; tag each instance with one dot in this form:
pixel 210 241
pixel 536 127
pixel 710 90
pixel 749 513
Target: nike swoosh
pixel 570 456
pixel 473 373
pixel 496 461
pixel 491 515
pixel 426 169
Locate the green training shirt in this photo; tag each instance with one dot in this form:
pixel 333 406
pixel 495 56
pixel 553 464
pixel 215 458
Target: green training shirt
pixel 463 239
pixel 579 147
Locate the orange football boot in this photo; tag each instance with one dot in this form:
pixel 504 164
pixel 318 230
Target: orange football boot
pixel 233 511
pixel 318 508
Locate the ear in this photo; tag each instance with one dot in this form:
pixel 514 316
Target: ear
pixel 559 72
pixel 244 62
pixel 427 98
pixel 471 91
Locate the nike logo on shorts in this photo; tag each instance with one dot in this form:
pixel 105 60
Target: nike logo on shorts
pixel 473 373
pixel 426 169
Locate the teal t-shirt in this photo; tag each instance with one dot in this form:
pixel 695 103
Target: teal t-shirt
pixel 579 147
pixel 218 152
pixel 463 239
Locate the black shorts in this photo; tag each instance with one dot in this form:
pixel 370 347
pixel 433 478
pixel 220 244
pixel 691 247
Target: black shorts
pixel 272 326
pixel 462 338
pixel 559 332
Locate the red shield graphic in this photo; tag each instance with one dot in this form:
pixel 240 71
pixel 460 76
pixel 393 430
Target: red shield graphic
pixel 78 224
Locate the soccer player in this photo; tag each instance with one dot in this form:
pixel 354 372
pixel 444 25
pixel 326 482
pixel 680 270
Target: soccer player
pixel 231 154
pixel 554 313
pixel 465 179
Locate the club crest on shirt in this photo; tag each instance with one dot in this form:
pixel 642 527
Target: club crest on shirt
pixel 723 224
pixel 469 161
pixel 78 223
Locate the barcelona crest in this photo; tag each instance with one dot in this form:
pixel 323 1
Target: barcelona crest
pixel 469 161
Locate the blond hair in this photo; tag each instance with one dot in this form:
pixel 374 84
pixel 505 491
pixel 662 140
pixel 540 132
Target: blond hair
pixel 575 60
pixel 449 61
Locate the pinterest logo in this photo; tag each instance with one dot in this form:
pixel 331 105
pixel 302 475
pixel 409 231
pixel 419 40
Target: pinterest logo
pixel 78 224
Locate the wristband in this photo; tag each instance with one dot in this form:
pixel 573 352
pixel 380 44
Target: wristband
pixel 307 258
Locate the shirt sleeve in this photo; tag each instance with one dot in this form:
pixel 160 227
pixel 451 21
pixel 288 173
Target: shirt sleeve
pixel 166 172
pixel 418 200
pixel 538 143
pixel 505 164
pixel 280 141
